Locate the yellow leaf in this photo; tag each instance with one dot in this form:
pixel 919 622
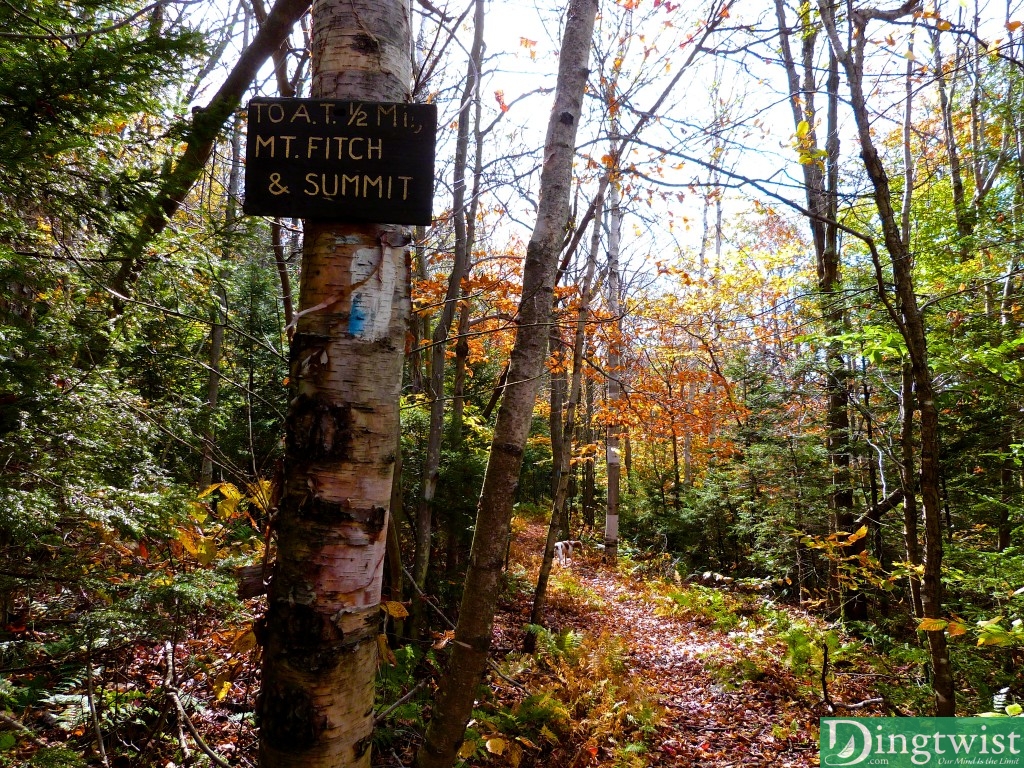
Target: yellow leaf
pixel 384 650
pixel 857 535
pixel 515 755
pixel 207 551
pixel 955 629
pixel 994 637
pixel 209 489
pixel 802 129
pixel 1013 26
pixel 932 625
pixel 943 25
pixel 261 494
pixel 221 686
pixel 394 609
pixel 245 642
pixel 990 622
pixel 495 745
pixel 467 749
pixel 228 507
pixel 910 55
pixel 199 511
pixel 188 541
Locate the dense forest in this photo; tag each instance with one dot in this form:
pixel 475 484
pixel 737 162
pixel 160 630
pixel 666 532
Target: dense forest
pixel 713 351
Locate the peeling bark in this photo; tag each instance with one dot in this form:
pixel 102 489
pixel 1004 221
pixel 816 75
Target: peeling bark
pixel 320 652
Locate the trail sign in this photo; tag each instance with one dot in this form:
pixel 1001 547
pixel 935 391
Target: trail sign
pixel 343 161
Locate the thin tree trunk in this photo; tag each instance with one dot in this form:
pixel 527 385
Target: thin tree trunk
pixel 820 184
pixel 908 474
pixel 589 479
pixel 217 313
pixel 320 646
pixel 558 384
pixel 458 689
pixel 614 395
pixel 559 498
pixel 439 340
pixel 281 260
pixel 908 317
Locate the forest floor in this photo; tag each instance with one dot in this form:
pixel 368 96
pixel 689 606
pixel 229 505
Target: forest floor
pixel 735 679
pixel 633 670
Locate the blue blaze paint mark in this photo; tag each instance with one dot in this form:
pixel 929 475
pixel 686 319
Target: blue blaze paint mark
pixel 357 316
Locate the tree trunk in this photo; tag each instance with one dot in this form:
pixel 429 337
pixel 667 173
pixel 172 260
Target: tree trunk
pixel 458 689
pixel 439 340
pixel 320 649
pixel 217 313
pixel 587 503
pixel 612 438
pixel 558 502
pixel 820 184
pixel 908 317
pixel 281 260
pixel 558 382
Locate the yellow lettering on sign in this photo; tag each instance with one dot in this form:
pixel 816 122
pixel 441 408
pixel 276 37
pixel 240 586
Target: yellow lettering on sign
pixel 405 186
pixel 372 147
pixel 356 115
pixel 344 184
pixel 263 143
pixel 377 183
pixel 383 111
pixel 301 112
pixel 332 191
pixel 276 113
pixel 355 185
pixel 328 113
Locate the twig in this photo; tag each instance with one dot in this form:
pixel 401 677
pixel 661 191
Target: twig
pixel 859 704
pixel 451 625
pixel 695 727
pixel 833 705
pixel 20 727
pixel 169 676
pixel 824 679
pixel 172 693
pixel 91 694
pixel 378 718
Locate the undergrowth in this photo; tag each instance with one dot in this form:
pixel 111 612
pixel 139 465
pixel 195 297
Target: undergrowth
pixel 580 699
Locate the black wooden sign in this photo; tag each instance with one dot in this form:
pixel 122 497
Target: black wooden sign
pixel 345 161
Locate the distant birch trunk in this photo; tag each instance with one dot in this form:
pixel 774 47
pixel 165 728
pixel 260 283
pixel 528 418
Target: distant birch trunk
pixel 613 452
